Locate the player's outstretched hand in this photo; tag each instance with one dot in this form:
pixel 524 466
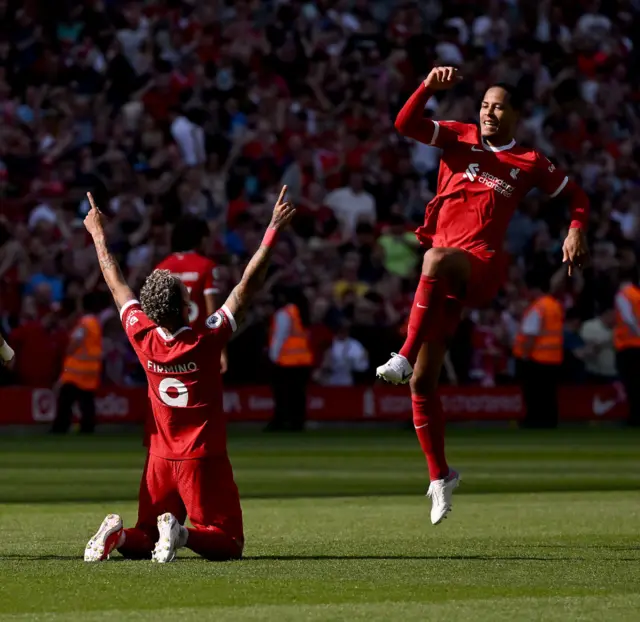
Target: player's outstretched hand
pixel 575 251
pixel 94 220
pixel 442 78
pixel 283 212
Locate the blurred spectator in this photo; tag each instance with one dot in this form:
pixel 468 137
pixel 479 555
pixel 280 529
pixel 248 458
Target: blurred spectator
pixel 400 248
pixel 575 349
pixel 352 205
pixel 292 357
pixel 600 356
pixel 343 361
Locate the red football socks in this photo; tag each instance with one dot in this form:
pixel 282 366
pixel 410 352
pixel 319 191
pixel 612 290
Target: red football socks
pixel 429 422
pixel 426 313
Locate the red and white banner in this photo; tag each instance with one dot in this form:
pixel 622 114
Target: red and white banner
pixel 22 406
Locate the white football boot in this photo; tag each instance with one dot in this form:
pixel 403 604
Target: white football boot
pixel 441 492
pixel 172 536
pixel 397 370
pixel 106 539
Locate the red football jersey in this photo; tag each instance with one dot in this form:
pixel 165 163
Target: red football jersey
pixel 479 188
pixel 198 273
pixel 185 385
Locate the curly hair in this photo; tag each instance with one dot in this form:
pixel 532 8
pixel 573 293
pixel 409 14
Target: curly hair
pixel 161 298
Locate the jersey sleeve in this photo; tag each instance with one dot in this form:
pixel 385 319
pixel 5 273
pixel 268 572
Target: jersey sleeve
pixel 221 325
pixel 135 322
pixel 446 133
pixel 550 179
pixel 211 280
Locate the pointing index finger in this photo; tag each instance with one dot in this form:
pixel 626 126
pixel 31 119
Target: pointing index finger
pixel 92 202
pixel 282 193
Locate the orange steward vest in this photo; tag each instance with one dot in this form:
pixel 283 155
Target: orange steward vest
pixel 83 367
pixel 548 345
pixel 623 335
pixel 296 349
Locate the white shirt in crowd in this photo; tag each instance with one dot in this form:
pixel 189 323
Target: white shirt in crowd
pixel 351 207
pixel 190 140
pixel 344 357
pixel 532 323
pixel 282 326
pixel 602 361
pixel 593 24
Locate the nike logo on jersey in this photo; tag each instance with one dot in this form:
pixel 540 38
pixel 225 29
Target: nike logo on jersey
pixel 514 173
pixel 476 148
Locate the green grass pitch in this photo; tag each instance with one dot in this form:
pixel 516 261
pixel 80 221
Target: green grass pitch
pixel 545 526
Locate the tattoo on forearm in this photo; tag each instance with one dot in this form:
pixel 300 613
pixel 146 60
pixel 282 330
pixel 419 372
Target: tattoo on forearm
pixel 104 256
pixel 108 265
pixel 252 280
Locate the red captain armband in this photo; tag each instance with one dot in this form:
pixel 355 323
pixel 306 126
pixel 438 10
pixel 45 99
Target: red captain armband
pixel 270 237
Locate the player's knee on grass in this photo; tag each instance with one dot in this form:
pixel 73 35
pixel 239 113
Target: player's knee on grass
pixel 215 545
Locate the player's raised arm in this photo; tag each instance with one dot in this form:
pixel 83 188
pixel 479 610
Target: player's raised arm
pixel 94 223
pixel 255 272
pixel 410 121
pixel 7 355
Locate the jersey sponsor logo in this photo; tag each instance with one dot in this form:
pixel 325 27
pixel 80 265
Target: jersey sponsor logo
pixel 214 321
pixel 472 171
pixel 182 368
pixel 491 181
pixel 514 173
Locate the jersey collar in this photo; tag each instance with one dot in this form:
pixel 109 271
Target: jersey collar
pixel 506 147
pixel 170 336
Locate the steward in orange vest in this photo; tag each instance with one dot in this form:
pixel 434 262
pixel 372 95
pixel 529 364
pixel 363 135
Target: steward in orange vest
pixel 540 338
pixel 292 357
pixel 81 373
pixel 626 339
pixel 538 349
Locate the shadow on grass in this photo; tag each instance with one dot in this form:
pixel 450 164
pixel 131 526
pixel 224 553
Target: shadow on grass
pixel 346 558
pixel 483 558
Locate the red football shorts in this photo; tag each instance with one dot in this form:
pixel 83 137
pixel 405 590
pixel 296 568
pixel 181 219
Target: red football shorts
pixel 202 489
pixel 488 273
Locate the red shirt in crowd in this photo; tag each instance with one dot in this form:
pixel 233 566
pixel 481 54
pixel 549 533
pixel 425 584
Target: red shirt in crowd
pixel 198 273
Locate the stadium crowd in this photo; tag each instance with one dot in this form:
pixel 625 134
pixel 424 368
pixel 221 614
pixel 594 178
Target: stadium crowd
pixel 167 108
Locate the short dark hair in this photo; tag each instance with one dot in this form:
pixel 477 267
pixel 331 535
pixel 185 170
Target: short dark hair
pixel 188 233
pixel 516 100
pixel 161 298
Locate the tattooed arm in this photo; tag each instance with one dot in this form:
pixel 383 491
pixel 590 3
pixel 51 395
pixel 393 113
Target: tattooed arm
pixel 120 291
pixel 256 270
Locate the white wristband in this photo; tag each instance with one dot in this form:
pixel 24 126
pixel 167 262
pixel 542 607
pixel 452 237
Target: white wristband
pixel 6 352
